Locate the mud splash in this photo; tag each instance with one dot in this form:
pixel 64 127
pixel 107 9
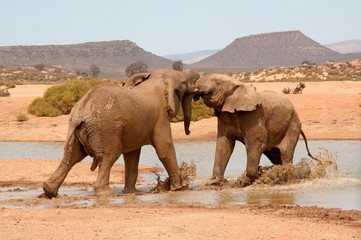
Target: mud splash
pixel 305 170
pixel 188 172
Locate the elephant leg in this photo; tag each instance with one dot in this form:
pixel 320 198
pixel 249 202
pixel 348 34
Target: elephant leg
pixel 73 154
pixel 131 162
pixel 164 147
pixel 287 148
pixel 224 150
pixel 254 152
pixel 101 186
pixel 289 142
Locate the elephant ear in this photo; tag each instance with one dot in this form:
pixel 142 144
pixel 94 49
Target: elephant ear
pixel 137 79
pixel 243 98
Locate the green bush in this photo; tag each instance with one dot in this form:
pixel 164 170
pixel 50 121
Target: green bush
pixel 41 108
pixel 10 85
pixel 22 118
pixel 60 99
pixel 199 111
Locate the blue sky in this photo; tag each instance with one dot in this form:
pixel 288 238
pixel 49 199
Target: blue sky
pixel 167 27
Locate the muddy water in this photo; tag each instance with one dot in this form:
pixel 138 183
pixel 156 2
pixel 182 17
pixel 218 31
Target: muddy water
pixel 336 184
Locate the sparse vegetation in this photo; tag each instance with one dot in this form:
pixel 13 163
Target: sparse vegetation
pixel 178 65
pixel 29 75
pixel 10 85
pixel 331 71
pixel 286 90
pixel 298 89
pixel 40 107
pixel 94 71
pixel 4 92
pixel 199 111
pixel 40 67
pixel 306 62
pixel 60 99
pixel 136 67
pixel 22 118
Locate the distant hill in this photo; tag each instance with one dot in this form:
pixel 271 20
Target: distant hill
pixel 285 49
pixel 349 46
pixel 112 57
pixel 191 57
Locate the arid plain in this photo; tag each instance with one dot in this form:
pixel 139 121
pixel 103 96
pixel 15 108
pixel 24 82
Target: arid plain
pixel 328 110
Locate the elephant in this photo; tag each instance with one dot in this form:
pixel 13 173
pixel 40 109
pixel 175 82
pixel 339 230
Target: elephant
pixel 110 120
pixel 265 122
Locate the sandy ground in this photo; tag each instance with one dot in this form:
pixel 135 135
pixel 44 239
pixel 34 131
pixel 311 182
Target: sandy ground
pixel 328 110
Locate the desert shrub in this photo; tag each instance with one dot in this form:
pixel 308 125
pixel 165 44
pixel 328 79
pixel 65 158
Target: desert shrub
pixel 298 89
pixel 22 118
pixel 333 72
pixel 178 65
pixel 94 70
pixel 306 62
pixel 10 85
pixel 199 111
pixel 136 67
pixel 40 67
pixel 4 92
pixel 60 99
pixel 42 108
pixel 286 90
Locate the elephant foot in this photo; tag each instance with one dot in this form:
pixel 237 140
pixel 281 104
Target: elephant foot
pixel 49 191
pixel 104 191
pixel 179 188
pixel 176 187
pixel 216 181
pixel 128 190
pixel 243 181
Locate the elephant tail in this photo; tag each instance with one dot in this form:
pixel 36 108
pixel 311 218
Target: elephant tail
pixel 308 150
pixel 87 136
pixel 69 144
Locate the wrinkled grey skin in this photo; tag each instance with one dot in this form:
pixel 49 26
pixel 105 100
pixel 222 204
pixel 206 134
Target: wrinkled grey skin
pixel 266 123
pixel 111 120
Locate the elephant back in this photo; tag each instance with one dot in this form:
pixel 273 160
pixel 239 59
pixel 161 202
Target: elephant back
pixel 276 104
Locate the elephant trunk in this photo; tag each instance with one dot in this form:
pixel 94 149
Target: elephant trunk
pixel 187 112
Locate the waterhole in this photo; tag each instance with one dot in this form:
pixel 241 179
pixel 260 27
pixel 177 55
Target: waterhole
pixel 336 182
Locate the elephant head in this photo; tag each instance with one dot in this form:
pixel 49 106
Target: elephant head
pixel 225 94
pixel 179 90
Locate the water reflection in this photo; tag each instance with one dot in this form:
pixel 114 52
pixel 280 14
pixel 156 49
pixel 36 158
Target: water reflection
pixel 265 197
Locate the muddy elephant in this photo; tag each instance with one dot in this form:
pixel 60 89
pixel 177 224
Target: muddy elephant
pixel 111 120
pixel 266 123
